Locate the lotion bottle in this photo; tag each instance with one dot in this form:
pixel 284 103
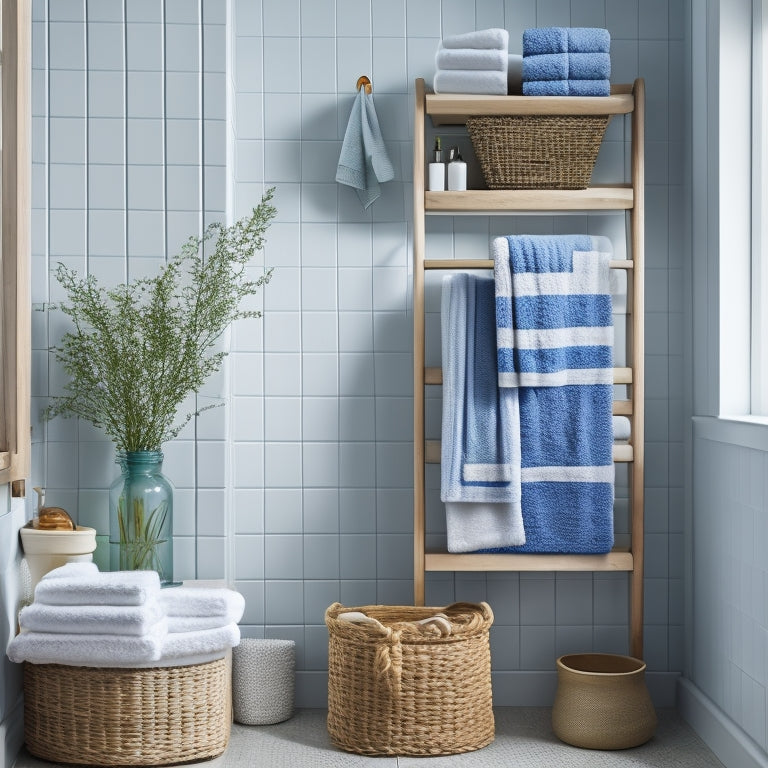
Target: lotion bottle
pixel 437 169
pixel 457 172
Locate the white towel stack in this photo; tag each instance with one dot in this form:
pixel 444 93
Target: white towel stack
pixel 474 62
pixel 82 617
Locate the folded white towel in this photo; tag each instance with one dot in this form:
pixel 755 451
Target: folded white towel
pixel 489 83
pixel 621 428
pixel 115 588
pixel 196 623
pixel 177 644
pixel 72 570
pixel 84 650
pixel 203 601
pixel 471 58
pixel 91 619
pixel 483 38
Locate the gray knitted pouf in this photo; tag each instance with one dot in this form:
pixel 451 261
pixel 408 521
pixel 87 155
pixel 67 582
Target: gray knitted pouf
pixel 263 681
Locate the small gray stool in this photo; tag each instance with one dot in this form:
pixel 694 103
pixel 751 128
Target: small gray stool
pixel 263 681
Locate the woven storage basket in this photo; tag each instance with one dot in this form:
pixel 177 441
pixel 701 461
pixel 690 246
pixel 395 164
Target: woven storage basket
pixel 111 717
pixel 602 702
pixel 400 687
pixel 537 151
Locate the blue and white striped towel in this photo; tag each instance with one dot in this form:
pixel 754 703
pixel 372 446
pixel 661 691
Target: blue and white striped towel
pixel 555 343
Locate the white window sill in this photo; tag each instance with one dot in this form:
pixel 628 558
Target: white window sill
pixel 745 431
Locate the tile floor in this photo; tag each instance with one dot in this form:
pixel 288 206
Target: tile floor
pixel 524 739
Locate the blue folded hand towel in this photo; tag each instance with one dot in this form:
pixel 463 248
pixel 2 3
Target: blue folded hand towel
pixel 587 66
pixel 364 161
pixel 546 66
pixel 566 40
pixel 567 88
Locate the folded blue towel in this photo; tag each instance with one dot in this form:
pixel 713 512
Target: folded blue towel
pixel 480 480
pixel 555 342
pixel 545 66
pixel 363 161
pixel 588 66
pixel 566 40
pixel 567 87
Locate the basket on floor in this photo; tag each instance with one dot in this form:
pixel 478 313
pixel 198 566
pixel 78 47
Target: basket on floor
pixel 109 716
pixel 413 681
pixel 537 151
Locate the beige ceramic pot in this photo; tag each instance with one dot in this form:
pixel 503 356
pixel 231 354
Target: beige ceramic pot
pixel 46 550
pixel 602 702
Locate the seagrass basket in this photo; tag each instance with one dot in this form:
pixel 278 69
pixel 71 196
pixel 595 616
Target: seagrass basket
pixel 412 681
pixel 111 717
pixel 537 151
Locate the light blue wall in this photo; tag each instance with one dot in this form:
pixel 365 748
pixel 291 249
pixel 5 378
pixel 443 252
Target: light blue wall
pixel 301 488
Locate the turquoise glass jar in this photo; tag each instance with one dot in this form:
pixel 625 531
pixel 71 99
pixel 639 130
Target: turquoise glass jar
pixel 141 516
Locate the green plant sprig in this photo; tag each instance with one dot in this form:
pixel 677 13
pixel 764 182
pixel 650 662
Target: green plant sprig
pixel 136 351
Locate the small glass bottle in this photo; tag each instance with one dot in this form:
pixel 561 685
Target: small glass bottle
pixel 437 169
pixel 457 171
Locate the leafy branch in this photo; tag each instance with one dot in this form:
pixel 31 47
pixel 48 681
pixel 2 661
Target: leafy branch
pixel 137 350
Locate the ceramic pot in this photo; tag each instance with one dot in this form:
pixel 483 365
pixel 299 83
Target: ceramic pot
pixel 46 550
pixel 602 702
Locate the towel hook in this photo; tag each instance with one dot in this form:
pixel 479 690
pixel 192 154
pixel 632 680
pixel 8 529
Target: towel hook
pixel 364 81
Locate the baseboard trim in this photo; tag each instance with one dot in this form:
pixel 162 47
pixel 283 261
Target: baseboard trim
pixel 510 689
pixel 732 745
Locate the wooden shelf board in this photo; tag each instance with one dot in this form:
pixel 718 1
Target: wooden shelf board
pixel 488 264
pixel 616 560
pixel 453 109
pixel 604 198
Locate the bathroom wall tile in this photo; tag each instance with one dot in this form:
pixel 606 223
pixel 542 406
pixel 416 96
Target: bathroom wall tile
pixel 284 290
pixel 182 47
pixel 573 601
pixel 66 45
pixel 318 65
pixel 319 331
pixel 67 93
pixel 394 510
pixel 284 73
pixel 211 557
pixel 282 419
pixel 144 46
pixel 320 116
pixel 423 19
pixel 67 232
pixel 321 510
pixel 214 47
pixel 355 331
pixel 393 465
pixel 357 418
pixel 357 510
pixel 320 374
pixel 319 160
pixel 357 465
pixel 537 603
pixel 283 557
pixel 320 465
pixel 282 332
pixel 318 18
pixel 281 18
pixel 106 94
pixel 318 595
pixel 388 17
pixel 67 186
pixel 320 419
pixel 357 553
pixel 489 13
pixel 353 58
pixel 284 602
pixel 283 510
pixel 321 556
pixel 321 289
pixel 537 647
pixel 249 465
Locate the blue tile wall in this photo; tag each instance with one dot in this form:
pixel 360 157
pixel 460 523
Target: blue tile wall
pixel 299 489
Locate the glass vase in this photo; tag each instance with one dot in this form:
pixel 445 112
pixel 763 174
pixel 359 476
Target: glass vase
pixel 141 516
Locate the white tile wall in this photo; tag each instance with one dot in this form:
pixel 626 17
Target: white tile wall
pixel 318 496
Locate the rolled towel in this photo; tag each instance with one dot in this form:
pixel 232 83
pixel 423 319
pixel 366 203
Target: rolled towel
pixel 483 38
pixel 114 588
pixel 91 619
pixel 566 40
pixel 589 66
pixel 567 88
pixel 203 601
pixel 514 74
pixel 470 81
pixel 545 66
pixel 471 58
pixel 88 650
pixel 621 428
pixel 205 641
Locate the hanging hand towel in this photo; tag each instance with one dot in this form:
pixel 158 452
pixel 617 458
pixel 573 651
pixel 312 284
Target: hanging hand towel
pixel 555 343
pixel 480 472
pixel 363 162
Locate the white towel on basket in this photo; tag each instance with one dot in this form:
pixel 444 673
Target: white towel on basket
pixel 91 619
pixel 114 588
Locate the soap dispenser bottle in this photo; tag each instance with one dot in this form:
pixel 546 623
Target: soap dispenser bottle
pixel 437 169
pixel 457 171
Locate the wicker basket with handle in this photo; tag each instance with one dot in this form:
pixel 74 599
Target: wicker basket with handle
pixel 411 680
pixel 537 151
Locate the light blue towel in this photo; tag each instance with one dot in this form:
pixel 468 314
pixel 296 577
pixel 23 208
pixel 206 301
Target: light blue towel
pixel 480 468
pixel 555 343
pixel 566 40
pixel 567 87
pixel 545 66
pixel 363 161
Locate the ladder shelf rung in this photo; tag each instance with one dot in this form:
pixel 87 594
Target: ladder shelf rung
pixel 615 560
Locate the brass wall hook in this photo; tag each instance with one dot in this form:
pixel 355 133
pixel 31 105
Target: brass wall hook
pixel 364 81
